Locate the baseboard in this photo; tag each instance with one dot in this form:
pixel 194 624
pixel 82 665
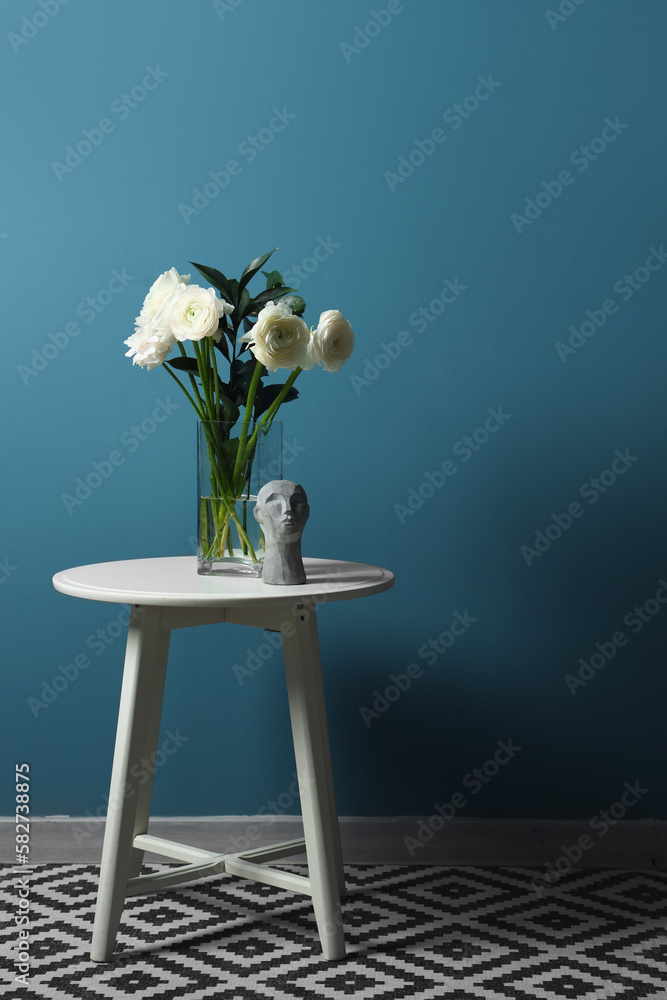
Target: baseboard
pixel 378 840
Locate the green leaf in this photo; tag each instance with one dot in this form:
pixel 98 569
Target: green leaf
pixel 229 450
pixel 270 294
pixel 244 370
pixel 222 346
pixel 273 278
pixel 243 302
pixel 234 289
pixel 296 304
pixel 224 449
pixel 253 267
pixel 267 393
pixel 184 364
pixel 241 373
pixel 230 411
pixel 228 329
pixel 224 285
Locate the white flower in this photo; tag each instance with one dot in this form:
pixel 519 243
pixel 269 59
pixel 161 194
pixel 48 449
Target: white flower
pixel 192 312
pixel 279 339
pixel 148 346
pixel 158 294
pixel 333 341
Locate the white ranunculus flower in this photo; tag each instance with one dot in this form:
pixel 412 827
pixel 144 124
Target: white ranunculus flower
pixel 279 339
pixel 193 312
pixel 333 341
pixel 149 346
pixel 158 294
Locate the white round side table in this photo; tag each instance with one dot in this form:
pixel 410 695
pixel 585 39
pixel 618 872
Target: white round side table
pixel 168 593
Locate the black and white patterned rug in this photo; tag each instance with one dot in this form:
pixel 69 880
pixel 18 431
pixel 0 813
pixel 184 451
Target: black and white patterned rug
pixel 421 932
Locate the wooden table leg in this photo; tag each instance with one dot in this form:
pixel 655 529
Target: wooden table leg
pixel 313 763
pixel 326 752
pixel 138 720
pixel 146 775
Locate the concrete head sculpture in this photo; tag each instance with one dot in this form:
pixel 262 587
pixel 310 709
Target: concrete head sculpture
pixel 282 510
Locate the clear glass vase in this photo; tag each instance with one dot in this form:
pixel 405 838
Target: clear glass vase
pixel 229 539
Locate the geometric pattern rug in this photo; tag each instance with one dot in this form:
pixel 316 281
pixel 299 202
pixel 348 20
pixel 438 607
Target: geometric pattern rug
pixel 422 932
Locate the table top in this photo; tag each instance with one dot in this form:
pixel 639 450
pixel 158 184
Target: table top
pixel 173 581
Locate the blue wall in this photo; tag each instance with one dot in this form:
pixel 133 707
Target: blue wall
pixel 488 182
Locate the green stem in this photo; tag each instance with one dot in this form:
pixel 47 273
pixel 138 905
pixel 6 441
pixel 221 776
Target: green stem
pixel 267 418
pixel 222 520
pixel 198 407
pixel 195 390
pixel 219 482
pixel 240 454
pixel 244 536
pixel 202 410
pixel 208 410
pixel 205 376
pixel 216 377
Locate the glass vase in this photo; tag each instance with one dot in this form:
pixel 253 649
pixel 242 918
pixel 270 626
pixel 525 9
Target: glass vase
pixel 229 539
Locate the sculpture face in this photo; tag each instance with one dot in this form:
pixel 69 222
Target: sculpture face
pixel 282 509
